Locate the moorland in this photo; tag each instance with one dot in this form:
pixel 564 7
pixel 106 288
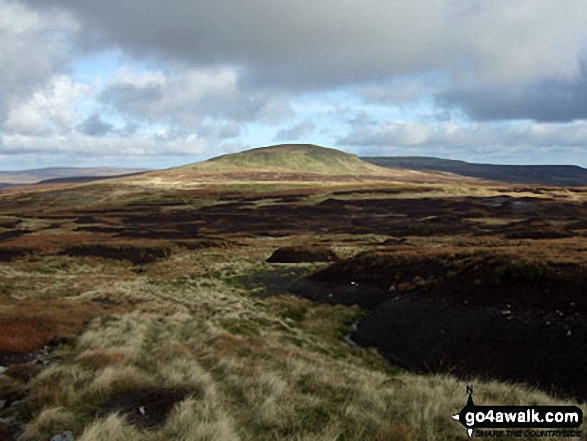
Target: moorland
pixel 291 292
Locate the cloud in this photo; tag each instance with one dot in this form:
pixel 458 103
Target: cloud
pixel 485 142
pixel 469 137
pixel 185 96
pixel 296 132
pixel 219 131
pixel 390 133
pixel 210 76
pixel 401 91
pixel 49 109
pixel 34 48
pixel 94 126
pixel 546 101
pixel 79 145
pixel 307 44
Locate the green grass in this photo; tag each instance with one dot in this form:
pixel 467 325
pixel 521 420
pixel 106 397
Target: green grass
pixel 529 272
pixel 303 158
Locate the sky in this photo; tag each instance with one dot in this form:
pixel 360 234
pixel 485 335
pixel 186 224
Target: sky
pixel 152 84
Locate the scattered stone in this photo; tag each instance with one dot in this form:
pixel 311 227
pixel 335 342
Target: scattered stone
pixel 301 254
pixel 65 436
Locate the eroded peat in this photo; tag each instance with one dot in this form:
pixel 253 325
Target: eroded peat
pixel 174 300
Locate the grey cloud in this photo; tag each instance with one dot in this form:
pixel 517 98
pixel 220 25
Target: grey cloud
pixel 242 107
pixel 94 126
pixel 222 131
pixel 308 44
pixel 545 101
pixel 398 92
pixel 129 129
pixel 296 132
pixel 130 98
pixel 361 119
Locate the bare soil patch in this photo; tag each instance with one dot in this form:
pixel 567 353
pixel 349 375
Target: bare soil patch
pixel 301 254
pixel 136 254
pixel 491 314
pixel 146 408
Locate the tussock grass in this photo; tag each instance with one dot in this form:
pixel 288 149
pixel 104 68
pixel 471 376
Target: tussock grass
pixel 253 368
pixel 281 382
pixel 111 428
pixel 113 379
pixel 51 421
pixel 102 358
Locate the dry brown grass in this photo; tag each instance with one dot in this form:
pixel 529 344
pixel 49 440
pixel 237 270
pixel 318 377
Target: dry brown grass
pixel 29 325
pixel 255 368
pixel 101 358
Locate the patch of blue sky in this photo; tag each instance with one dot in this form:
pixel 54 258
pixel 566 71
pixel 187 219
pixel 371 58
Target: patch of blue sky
pixel 342 107
pixel 257 135
pixel 98 67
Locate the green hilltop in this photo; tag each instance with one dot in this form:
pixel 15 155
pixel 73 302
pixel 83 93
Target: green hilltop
pixel 292 158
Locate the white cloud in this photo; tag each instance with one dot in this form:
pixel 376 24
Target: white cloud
pixel 185 96
pixel 233 70
pixel 391 133
pixel 457 139
pixel 79 145
pixel 34 47
pixel 52 108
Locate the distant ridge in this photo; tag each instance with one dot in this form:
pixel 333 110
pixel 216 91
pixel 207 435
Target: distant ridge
pixel 34 176
pixel 82 179
pixel 556 175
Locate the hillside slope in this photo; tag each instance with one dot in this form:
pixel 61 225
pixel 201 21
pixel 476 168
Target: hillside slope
pixel 289 162
pixel 303 158
pixel 559 175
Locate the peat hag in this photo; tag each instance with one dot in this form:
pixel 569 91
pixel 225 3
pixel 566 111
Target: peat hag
pixel 493 315
pixel 300 254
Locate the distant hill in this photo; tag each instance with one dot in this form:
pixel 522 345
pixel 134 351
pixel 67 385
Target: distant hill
pixel 556 175
pixel 303 158
pixel 34 176
pixel 82 179
pixel 290 162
